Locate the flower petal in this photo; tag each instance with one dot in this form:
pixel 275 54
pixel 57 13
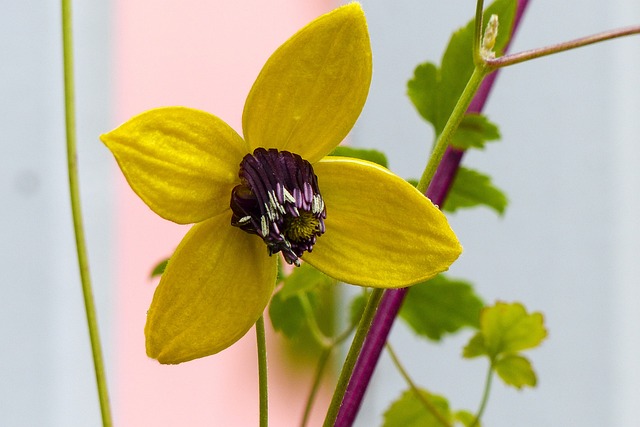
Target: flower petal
pixel 312 89
pixel 182 162
pixel 380 230
pixel 215 287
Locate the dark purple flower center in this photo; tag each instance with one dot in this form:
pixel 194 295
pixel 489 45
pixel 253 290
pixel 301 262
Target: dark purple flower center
pixel 279 200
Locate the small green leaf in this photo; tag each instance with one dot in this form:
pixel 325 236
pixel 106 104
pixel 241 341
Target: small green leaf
pixel 371 155
pixel 466 418
pixel 474 131
pixel 440 306
pixel 508 328
pixel 475 347
pixel 303 279
pixel 410 411
pixel 471 188
pixel 286 314
pixel 159 268
pixel 422 90
pixel 516 371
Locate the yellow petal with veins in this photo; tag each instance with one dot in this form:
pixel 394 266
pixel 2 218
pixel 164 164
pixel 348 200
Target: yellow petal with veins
pixel 380 230
pixel 312 89
pixel 182 162
pixel 215 287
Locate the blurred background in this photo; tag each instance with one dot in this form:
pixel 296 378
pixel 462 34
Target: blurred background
pixel 567 245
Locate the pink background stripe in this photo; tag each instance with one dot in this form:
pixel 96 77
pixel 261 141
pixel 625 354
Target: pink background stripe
pixel 202 54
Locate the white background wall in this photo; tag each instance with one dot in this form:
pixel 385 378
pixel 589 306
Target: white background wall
pixel 568 244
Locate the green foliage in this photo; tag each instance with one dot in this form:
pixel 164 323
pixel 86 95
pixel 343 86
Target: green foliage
pixel 471 188
pixel 516 370
pixel 435 91
pixel 466 418
pixel 287 315
pixel 371 155
pixel 303 279
pixel 474 131
pixel 305 292
pixel 505 330
pixel 440 306
pixel 410 411
pixel 159 268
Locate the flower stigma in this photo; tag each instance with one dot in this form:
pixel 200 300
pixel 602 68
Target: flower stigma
pixel 279 200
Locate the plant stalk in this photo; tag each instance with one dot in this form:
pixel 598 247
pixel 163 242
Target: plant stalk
pixel 74 190
pixel 263 387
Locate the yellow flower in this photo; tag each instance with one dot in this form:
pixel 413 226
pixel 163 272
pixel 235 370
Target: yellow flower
pixel 275 187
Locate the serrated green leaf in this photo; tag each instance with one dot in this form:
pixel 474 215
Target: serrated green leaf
pixel 286 314
pixel 159 268
pixel 516 371
pixel 471 188
pixel 440 306
pixel 371 155
pixel 508 328
pixel 435 91
pixel 475 347
pixel 409 411
pixel 466 418
pixel 303 279
pixel 474 131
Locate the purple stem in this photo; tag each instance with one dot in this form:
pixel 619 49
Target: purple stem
pixel 393 298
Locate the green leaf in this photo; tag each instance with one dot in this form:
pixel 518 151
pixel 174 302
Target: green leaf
pixel 423 90
pixel 516 371
pixel 440 306
pixel 159 268
pixel 286 314
pixel 471 188
pixel 474 131
pixel 410 411
pixel 466 418
pixel 475 347
pixel 435 91
pixel 303 279
pixel 371 155
pixel 508 328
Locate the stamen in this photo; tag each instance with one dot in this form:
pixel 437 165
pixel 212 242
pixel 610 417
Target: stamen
pixel 279 200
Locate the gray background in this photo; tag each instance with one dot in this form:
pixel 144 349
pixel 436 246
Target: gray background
pixel 567 245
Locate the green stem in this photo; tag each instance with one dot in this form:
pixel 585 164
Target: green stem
pixel 74 190
pixel 425 402
pixel 352 356
pixel 322 363
pixel 485 396
pixel 479 72
pixel 516 58
pixel 262 372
